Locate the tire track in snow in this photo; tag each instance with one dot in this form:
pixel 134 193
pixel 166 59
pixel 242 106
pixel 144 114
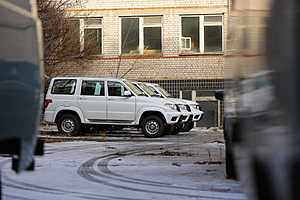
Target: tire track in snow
pixel 87 171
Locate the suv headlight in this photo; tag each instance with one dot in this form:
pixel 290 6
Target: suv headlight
pixel 182 107
pixel 195 106
pixel 171 106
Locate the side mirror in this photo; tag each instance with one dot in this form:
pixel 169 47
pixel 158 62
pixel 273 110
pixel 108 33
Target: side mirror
pixel 219 95
pixel 127 93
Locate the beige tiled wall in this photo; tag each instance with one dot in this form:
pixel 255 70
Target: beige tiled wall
pixel 176 68
pixel 170 64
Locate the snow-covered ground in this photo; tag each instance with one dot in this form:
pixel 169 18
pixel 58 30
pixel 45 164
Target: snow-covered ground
pixel 170 168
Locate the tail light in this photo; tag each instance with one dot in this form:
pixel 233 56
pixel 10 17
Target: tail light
pixel 47 101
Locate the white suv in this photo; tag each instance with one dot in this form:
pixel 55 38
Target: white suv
pixel 186 116
pixel 194 107
pixel 75 101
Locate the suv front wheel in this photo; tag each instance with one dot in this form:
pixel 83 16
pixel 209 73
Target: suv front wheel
pixel 69 124
pixel 153 126
pixel 187 126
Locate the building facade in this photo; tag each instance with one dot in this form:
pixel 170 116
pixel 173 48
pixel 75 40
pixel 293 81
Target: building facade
pixel 178 44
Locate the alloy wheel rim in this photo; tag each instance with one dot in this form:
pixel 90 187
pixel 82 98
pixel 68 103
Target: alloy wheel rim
pixel 152 127
pixel 68 125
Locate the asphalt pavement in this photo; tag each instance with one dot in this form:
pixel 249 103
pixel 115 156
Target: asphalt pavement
pixel 123 165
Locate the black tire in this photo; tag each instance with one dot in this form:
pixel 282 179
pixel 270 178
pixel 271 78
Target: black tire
pixel 174 130
pixel 117 128
pixel 69 124
pixel 229 158
pixel 90 128
pixel 230 167
pixel 171 130
pixel 153 126
pixel 187 126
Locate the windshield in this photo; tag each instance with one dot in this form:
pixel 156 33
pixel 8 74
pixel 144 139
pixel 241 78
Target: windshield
pixel 153 89
pixel 148 90
pixel 136 85
pixel 163 91
pixel 134 89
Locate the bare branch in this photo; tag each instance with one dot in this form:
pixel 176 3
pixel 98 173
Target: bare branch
pixel 130 69
pixel 61 34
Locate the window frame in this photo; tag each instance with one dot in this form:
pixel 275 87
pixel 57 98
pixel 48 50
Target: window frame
pixel 69 94
pixel 141 34
pixel 85 80
pixel 83 26
pixel 202 25
pixel 107 83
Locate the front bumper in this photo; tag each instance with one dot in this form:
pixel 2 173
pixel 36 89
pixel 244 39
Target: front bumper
pixel 197 115
pixel 185 116
pixel 172 117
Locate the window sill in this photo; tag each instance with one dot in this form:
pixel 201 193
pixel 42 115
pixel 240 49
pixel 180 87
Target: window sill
pixel 202 54
pixel 141 56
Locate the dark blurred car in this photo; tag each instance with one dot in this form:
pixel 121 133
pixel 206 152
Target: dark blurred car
pixel 261 98
pixel 20 82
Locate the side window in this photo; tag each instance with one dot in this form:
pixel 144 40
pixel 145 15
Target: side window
pixel 64 86
pixel 115 89
pixel 92 88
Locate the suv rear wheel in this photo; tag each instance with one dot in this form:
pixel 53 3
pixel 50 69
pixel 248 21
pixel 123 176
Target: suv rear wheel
pixel 69 124
pixel 153 126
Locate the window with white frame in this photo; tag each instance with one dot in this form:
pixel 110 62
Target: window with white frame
pixel 202 34
pixel 141 35
pixel 92 36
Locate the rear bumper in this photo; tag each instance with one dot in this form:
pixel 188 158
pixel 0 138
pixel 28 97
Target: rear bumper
pixel 49 116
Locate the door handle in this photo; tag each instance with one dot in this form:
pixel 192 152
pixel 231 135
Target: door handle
pixel 82 98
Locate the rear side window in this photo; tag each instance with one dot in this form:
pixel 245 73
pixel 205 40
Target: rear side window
pixel 64 86
pixel 92 88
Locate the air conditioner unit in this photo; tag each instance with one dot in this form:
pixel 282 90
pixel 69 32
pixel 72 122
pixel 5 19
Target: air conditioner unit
pixel 186 43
